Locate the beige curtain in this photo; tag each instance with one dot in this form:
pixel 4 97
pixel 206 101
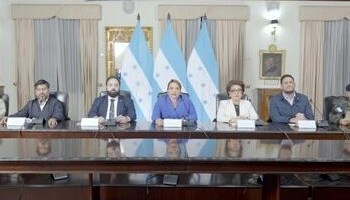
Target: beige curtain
pixel 62 11
pixel 25 60
pixel 312 71
pixel 312 42
pixel 89 56
pixel 229 48
pixel 180 31
pixel 23 14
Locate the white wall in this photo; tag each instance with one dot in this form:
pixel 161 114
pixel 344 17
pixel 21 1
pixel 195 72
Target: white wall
pixel 257 36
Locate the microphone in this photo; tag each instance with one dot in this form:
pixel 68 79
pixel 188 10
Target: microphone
pixel 320 123
pixel 39 120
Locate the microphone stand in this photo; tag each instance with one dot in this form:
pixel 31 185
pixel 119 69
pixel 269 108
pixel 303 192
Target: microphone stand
pixel 320 123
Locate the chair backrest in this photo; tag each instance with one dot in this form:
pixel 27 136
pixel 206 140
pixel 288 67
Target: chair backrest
pixel 224 96
pixel 6 98
pixel 124 93
pixel 328 105
pixel 165 93
pixel 62 97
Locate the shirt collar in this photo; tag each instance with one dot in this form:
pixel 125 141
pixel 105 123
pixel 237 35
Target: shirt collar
pixel 287 97
pixel 115 98
pixel 44 102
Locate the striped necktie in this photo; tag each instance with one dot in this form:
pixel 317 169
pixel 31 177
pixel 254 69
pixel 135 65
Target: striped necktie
pixel 111 109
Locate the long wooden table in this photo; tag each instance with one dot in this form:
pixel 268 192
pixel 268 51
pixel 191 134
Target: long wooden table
pixel 72 129
pixel 72 155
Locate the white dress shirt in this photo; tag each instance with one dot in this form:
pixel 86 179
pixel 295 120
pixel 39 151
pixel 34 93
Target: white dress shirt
pixel 290 100
pixel 42 104
pixel 115 106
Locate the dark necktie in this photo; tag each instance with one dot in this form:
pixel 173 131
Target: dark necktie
pixel 111 109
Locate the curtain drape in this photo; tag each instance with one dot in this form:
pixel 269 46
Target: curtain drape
pixel 325 56
pixel 336 57
pixel 229 48
pixel 58 60
pixel 47 48
pixel 312 71
pixel 89 60
pixel 84 65
pixel 24 60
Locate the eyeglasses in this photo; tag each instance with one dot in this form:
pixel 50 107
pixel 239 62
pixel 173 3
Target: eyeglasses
pixel 238 91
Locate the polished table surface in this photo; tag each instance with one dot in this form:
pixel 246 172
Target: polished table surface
pixel 272 149
pixel 205 147
pixel 174 155
pixel 211 130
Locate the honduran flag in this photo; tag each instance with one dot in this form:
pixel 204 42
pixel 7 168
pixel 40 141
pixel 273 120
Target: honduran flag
pixel 203 77
pixel 169 62
pixel 137 73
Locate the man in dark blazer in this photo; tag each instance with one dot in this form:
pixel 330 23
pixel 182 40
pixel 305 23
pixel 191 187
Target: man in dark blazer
pixel 43 106
pixel 113 106
pixel 289 106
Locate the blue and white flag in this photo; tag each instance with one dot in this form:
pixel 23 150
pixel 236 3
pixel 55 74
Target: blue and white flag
pixel 137 147
pixel 203 77
pixel 170 62
pixel 137 74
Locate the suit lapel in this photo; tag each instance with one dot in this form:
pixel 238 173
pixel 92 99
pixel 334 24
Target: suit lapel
pixel 120 105
pixel 104 106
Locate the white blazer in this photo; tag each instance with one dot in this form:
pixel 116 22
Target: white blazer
pixel 227 110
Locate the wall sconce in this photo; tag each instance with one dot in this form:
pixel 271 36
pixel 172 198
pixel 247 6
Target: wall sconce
pixel 274 24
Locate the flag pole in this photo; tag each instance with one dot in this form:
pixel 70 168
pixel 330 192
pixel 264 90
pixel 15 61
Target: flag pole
pixel 168 17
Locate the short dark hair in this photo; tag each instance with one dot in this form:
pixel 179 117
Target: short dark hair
pixel 113 144
pixel 235 82
pixel 174 81
pixel 348 87
pixel 227 151
pixel 44 141
pixel 42 82
pixel 112 77
pixel 286 76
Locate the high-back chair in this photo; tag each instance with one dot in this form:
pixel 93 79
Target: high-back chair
pixel 5 98
pixel 165 93
pixel 329 104
pixel 62 97
pixel 224 96
pixel 124 93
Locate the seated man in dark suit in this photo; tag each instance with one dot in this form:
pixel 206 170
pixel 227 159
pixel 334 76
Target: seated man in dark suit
pixel 43 106
pixel 289 106
pixel 113 106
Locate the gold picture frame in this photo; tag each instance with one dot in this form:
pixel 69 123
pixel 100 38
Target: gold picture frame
pixel 120 35
pixel 272 63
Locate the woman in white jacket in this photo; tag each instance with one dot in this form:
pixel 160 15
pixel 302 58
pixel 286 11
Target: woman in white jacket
pixel 235 108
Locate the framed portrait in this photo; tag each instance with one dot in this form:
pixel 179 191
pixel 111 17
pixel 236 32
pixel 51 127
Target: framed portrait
pixel 272 63
pixel 117 39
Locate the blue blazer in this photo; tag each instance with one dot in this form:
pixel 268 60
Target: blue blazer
pixel 164 109
pixel 125 107
pixel 281 111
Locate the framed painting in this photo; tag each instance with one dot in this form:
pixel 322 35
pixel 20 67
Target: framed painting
pixel 117 39
pixel 272 63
